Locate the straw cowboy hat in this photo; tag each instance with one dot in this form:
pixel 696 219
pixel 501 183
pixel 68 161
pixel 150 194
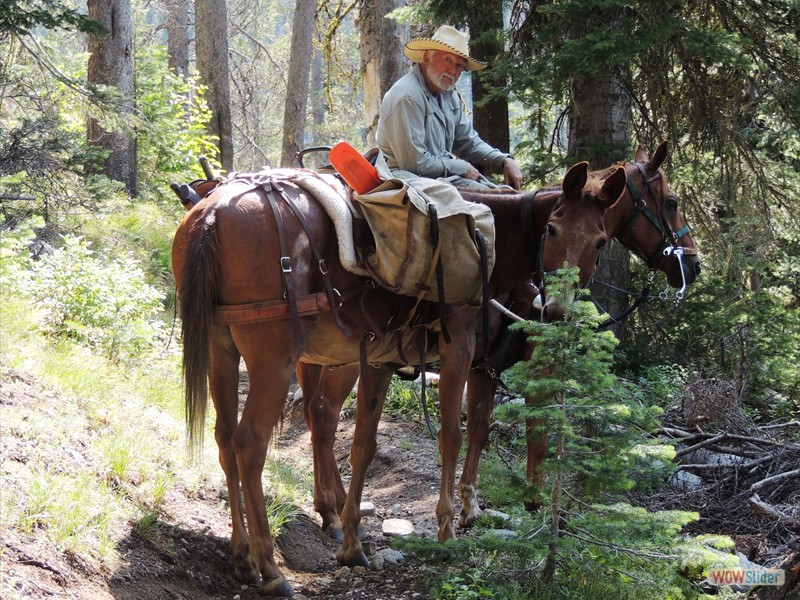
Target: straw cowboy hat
pixel 448 39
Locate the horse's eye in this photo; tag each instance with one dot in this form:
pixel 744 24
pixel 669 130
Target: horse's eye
pixel 672 203
pixel 601 242
pixel 550 229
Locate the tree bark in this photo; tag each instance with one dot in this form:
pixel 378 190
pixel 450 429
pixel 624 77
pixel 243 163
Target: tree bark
pixel 317 91
pixel 382 59
pixel 111 64
pixel 490 116
pixel 294 112
pixel 178 36
pixel 211 32
pixel 599 131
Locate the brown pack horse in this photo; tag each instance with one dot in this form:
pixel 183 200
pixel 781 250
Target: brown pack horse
pixel 258 277
pixel 647 220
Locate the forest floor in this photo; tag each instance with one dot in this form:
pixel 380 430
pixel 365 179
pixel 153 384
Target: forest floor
pixel 186 554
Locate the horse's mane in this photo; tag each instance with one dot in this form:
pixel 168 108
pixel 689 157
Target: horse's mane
pixel 604 173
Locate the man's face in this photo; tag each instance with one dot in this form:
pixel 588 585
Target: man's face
pixel 441 70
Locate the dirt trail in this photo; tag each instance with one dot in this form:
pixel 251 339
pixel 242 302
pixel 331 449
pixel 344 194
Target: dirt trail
pixel 185 553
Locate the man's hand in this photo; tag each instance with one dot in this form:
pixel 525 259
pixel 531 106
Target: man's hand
pixel 472 172
pixel 512 173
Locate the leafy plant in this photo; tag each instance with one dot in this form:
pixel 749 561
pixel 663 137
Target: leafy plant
pixel 586 541
pixel 98 301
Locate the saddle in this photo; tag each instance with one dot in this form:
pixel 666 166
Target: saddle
pixel 415 237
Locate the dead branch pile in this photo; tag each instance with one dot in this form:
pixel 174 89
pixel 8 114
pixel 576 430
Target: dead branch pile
pixel 743 478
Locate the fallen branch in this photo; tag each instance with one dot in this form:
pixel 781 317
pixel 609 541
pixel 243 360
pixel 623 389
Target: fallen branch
pixel 703 444
pixel 781 425
pixel 674 432
pixel 762 507
pixel 779 477
pixel 705 467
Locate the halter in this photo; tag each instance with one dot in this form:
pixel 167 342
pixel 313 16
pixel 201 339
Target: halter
pixel 540 272
pixel 670 246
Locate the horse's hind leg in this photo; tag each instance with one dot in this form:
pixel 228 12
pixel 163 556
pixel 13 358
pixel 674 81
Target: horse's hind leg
pixel 481 387
pixel 224 387
pixel 324 393
pixel 269 367
pixel 372 388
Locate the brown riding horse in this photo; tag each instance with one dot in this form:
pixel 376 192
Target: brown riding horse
pixel 646 220
pixel 259 277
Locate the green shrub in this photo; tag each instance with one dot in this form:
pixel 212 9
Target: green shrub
pixel 101 302
pixel 586 541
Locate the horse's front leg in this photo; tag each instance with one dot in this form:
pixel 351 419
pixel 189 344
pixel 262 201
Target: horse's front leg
pixel 372 388
pixel 324 393
pixel 224 387
pixel 269 368
pixel 481 387
pixel 456 358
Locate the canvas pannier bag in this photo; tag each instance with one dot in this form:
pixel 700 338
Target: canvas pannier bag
pixel 403 258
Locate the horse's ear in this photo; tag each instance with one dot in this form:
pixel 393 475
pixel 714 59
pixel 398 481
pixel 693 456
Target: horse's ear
pixel 613 188
pixel 575 179
pixel 658 158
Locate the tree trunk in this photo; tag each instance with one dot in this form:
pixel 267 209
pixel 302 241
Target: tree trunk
pixel 211 32
pixel 294 112
pixel 490 118
pixel 317 91
pixel 599 131
pixel 111 64
pixel 178 36
pixel 382 60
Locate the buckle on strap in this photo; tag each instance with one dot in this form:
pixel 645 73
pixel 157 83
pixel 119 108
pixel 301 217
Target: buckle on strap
pixel 286 265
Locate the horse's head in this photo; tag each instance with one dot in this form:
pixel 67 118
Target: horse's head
pixel 575 232
pixel 656 230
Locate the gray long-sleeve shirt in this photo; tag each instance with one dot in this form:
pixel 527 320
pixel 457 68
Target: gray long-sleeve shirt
pixel 430 136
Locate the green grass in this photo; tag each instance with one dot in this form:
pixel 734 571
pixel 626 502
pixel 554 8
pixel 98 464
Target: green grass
pixel 93 445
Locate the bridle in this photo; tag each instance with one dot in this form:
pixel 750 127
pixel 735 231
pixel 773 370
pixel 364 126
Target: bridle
pixel 669 247
pixel 541 274
pixel 670 238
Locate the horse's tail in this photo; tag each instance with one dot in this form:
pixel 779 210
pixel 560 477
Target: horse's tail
pixel 198 298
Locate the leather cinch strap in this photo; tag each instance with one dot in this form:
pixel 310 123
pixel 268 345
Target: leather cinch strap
pixel 272 310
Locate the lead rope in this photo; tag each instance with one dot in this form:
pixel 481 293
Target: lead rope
pixel 423 397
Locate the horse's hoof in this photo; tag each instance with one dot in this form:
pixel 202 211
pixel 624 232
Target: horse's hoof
pixel 335 532
pixel 246 574
pixel 468 519
pixel 277 587
pixel 447 533
pixel 352 559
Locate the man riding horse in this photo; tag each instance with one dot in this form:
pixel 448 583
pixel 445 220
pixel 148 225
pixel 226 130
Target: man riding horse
pixel 423 130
